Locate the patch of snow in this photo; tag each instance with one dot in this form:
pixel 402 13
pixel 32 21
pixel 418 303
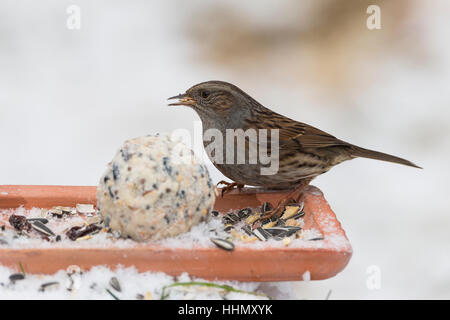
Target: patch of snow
pixel 92 284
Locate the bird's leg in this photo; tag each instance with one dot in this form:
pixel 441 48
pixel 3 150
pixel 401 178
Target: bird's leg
pixel 229 186
pixel 292 197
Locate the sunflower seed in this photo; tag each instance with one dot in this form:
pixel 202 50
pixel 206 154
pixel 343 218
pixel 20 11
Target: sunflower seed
pixel 49 285
pixel 226 219
pixel 298 215
pixel 266 207
pixel 114 283
pixel 269 225
pixel 215 213
pixel 85 208
pixel 16 276
pixel 65 210
pixel 3 241
pixel 42 220
pixel 86 237
pixel 71 284
pixel 223 244
pixel 277 231
pixel 232 218
pixel 252 218
pixel 280 223
pixel 55 212
pixel 39 226
pixel 289 212
pixel 292 230
pixel 244 213
pixel 228 227
pixel 94 220
pixel 285 231
pixel 316 239
pixel 296 228
pixel 262 234
pixel 248 230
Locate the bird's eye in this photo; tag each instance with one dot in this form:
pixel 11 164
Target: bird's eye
pixel 204 94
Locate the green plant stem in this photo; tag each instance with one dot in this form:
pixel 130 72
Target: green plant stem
pixel 208 284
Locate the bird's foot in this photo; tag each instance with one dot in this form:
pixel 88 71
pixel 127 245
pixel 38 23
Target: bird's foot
pixel 229 186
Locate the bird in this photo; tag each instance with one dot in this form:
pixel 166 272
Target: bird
pixel 304 152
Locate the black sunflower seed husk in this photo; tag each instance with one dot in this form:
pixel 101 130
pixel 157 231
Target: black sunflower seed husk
pixel 230 218
pixel 215 213
pixel 247 229
pixel 280 237
pixel 298 215
pixel 114 283
pixel 284 231
pixel 48 285
pixel 223 244
pixel 42 228
pixel 20 223
pixel 244 213
pixel 42 220
pixel 277 232
pixel 261 234
pixel 16 276
pixel 266 207
pixel 301 214
pixel 280 223
pixel 76 232
pixel 226 220
pixel 291 232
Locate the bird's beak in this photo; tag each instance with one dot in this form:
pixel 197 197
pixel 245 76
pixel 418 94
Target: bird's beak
pixel 184 100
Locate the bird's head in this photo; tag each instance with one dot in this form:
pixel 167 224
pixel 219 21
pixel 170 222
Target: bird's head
pixel 213 98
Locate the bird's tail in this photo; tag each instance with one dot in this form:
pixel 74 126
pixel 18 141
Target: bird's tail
pixel 366 153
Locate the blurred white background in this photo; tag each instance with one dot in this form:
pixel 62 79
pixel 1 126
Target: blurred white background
pixel 69 98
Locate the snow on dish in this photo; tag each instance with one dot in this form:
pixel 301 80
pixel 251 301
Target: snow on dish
pixel 198 237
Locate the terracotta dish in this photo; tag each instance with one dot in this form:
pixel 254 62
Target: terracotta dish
pixel 323 260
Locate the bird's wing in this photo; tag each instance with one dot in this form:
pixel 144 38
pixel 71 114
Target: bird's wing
pixel 307 136
pixel 293 134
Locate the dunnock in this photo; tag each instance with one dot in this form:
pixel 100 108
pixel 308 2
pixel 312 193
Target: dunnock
pixel 304 151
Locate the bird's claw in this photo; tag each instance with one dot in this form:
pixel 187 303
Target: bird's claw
pixel 229 186
pixel 275 213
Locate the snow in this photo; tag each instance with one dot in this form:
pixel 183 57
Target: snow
pixel 306 276
pixel 198 237
pixel 92 284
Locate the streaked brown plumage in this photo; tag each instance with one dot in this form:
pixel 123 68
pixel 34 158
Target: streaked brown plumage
pixel 304 151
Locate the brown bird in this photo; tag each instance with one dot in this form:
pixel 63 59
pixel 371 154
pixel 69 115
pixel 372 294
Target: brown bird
pixel 304 151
